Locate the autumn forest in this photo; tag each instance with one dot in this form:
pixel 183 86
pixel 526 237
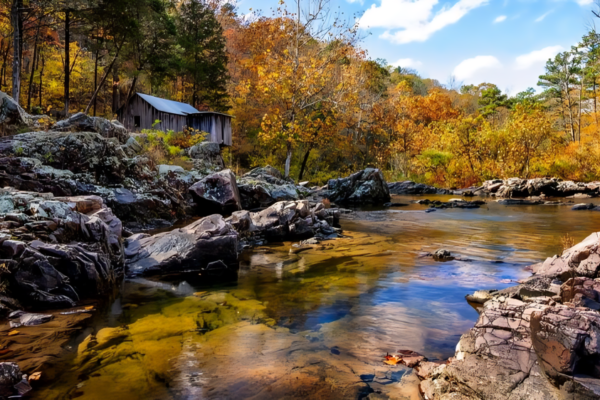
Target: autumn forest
pixel 305 95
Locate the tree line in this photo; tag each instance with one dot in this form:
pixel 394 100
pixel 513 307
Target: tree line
pixel 305 96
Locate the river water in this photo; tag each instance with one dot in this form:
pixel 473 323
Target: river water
pixel 315 324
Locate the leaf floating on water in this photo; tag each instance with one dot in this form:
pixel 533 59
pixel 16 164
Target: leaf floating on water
pixel 392 360
pixel 13 333
pixel 200 294
pixel 89 308
pixel 4 351
pixel 35 376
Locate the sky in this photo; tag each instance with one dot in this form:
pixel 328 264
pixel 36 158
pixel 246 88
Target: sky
pixel 505 42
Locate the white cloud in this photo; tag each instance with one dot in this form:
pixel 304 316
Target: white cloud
pixel 414 20
pixel 512 75
pixel 544 15
pixel 407 63
pixel 584 2
pixel 470 67
pixel 536 57
pixel 500 19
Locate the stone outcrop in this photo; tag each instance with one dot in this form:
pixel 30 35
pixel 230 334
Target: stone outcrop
pixel 549 187
pixel 208 245
pixel 362 187
pixel 57 250
pixel 264 186
pixel 286 220
pixel 538 340
pixel 68 164
pixel 81 122
pixel 218 192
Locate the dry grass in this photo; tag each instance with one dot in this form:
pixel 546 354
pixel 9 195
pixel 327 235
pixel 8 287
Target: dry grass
pixel 567 242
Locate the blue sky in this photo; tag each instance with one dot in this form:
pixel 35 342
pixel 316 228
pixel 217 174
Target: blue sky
pixel 506 42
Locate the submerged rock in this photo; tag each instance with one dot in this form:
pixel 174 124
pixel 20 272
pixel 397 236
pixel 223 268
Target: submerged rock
pixel 363 187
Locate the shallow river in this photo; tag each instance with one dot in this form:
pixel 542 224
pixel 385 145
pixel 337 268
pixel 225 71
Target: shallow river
pixel 315 324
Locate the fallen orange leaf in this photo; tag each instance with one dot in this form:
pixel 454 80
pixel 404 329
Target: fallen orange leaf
pixel 13 332
pixel 35 376
pixel 392 360
pixel 199 294
pixel 89 307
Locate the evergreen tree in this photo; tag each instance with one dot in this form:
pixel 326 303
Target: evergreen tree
pixel 204 57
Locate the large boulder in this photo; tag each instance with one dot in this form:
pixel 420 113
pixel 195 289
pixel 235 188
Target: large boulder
pixel 81 122
pixel 264 186
pixel 208 245
pixel 217 192
pixel 363 187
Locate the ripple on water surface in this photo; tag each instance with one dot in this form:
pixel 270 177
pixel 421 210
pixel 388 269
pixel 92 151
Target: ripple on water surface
pixel 314 324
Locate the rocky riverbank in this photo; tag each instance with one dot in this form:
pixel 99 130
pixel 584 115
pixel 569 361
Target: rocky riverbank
pixel 537 340
pixel 537 188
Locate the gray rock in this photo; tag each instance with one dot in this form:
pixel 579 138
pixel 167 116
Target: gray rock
pixel 188 249
pixel 217 192
pixel 410 187
pixel 80 122
pixel 363 187
pixel 165 169
pixel 10 375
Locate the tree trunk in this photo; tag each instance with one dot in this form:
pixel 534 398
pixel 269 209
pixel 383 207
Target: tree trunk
pixel 288 160
pixel 96 77
pixel 93 100
pixel 15 20
pixel 129 94
pixel 116 98
pixel 304 161
pixel 33 67
pixel 42 77
pixel 67 60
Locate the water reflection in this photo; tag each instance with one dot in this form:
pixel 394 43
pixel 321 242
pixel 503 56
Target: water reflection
pixel 315 324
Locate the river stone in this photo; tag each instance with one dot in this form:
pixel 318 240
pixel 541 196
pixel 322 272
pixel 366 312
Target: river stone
pixel 10 375
pixel 186 249
pixel 410 187
pixel 217 191
pixel 367 186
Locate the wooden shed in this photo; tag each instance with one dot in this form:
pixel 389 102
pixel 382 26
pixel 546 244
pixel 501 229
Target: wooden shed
pixel 143 110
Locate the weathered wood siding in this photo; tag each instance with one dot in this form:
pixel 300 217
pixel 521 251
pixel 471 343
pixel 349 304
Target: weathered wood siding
pixel 218 126
pixel 148 114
